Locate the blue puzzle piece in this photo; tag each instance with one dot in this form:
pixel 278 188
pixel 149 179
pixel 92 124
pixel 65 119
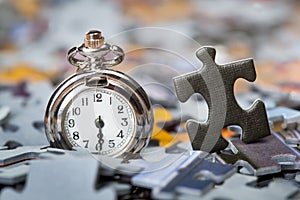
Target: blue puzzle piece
pixel 195 179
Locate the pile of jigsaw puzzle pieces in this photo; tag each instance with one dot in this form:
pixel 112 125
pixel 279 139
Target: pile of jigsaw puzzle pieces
pixel 259 160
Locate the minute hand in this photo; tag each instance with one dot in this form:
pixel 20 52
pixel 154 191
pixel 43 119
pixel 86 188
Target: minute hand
pixel 100 125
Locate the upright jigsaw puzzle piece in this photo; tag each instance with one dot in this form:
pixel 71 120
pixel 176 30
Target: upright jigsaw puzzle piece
pixel 215 83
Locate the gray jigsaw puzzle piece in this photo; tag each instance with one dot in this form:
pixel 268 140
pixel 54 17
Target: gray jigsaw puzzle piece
pixel 288 119
pixel 27 132
pixel 61 179
pixel 267 156
pixel 25 123
pixel 14 165
pixel 290 136
pixel 162 169
pixel 284 114
pixel 236 188
pixel 8 157
pixel 109 165
pixel 13 169
pixel 14 174
pixel 215 83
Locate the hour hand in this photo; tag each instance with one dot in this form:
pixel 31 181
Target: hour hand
pixel 99 124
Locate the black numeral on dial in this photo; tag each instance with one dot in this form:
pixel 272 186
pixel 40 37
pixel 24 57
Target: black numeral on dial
pixel 111 143
pixel 76 111
pixel 98 97
pixel 120 134
pixel 124 122
pixel 120 109
pixel 71 123
pixel 76 135
pixel 86 143
pixel 85 101
pixel 97 147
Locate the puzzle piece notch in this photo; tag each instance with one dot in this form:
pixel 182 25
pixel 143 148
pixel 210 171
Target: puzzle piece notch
pixel 215 83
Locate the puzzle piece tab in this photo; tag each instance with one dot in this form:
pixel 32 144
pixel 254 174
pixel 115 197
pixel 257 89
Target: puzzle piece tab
pixel 215 83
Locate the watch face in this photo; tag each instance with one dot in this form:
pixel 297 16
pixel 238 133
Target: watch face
pixel 99 120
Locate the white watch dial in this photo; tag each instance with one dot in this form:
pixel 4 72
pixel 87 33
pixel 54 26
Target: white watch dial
pixel 100 120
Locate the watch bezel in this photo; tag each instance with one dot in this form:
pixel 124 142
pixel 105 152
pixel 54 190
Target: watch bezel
pixel 116 81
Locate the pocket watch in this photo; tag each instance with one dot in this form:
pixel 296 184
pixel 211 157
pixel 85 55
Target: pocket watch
pixel 99 109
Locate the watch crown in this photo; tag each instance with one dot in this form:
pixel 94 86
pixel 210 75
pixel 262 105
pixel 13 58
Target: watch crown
pixel 93 39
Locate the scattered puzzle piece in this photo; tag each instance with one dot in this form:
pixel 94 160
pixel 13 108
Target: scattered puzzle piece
pixel 13 174
pixel 53 179
pixel 291 136
pixel 236 188
pixel 267 156
pixel 195 178
pixel 162 170
pixel 284 114
pixel 215 83
pixel 26 115
pixel 8 157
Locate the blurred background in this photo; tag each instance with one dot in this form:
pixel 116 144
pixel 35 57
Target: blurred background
pixel 36 34
pixel 160 37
